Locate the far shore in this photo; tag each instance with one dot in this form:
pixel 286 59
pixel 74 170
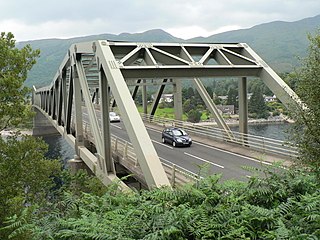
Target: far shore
pixel 235 122
pixel 11 132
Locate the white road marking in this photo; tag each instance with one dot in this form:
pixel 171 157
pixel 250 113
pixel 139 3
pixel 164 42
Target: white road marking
pixel 232 153
pixel 221 150
pixel 217 165
pixel 155 130
pixel 113 125
pixel 162 144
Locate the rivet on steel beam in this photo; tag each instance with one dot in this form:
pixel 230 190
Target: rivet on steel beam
pixel 104 43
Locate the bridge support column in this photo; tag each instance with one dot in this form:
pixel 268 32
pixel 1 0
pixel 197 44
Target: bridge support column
pixel 177 98
pixel 243 108
pixel 144 98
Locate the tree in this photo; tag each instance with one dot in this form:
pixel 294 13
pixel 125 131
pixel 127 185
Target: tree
pixel 253 83
pixel 291 79
pixel 188 105
pixel 138 98
pixel 256 104
pixel 232 97
pixel 14 66
pixel 194 115
pixel 187 93
pixel 26 176
pixel 307 128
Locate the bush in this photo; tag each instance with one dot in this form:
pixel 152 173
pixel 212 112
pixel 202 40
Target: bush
pixel 194 116
pixel 275 113
pixel 284 204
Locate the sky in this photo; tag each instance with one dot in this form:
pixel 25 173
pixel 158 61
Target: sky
pixel 42 19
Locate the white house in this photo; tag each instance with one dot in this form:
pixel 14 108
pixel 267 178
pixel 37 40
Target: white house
pixel 270 98
pixel 164 97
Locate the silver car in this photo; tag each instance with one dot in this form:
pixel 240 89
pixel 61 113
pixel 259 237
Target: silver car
pixel 114 117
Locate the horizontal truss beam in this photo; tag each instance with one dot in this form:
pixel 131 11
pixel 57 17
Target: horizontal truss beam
pixel 119 62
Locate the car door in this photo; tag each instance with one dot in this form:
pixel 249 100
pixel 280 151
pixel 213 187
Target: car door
pixel 170 136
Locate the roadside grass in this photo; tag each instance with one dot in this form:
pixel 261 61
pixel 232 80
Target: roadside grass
pixel 169 113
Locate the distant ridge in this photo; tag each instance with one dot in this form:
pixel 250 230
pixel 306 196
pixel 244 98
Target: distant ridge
pixel 279 43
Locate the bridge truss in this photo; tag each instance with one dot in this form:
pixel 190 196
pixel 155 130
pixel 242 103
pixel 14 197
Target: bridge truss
pixel 93 72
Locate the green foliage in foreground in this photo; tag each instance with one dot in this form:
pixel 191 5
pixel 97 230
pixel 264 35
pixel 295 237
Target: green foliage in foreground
pixel 283 205
pixel 14 66
pixel 307 129
pixel 26 176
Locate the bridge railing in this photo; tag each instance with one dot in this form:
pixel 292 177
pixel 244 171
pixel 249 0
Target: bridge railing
pixel 123 153
pixel 263 144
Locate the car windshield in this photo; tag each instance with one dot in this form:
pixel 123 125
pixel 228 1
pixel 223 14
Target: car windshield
pixel 179 132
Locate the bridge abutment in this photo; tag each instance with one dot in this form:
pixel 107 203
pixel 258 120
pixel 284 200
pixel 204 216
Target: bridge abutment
pixel 41 125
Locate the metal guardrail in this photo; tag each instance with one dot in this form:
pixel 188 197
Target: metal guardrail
pixel 177 175
pixel 263 144
pixel 123 151
pixel 259 143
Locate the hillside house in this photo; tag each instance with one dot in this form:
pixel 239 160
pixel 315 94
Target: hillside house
pixel 270 98
pixel 226 109
pixel 168 98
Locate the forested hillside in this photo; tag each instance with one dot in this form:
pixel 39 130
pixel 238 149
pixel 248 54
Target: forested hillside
pixel 278 43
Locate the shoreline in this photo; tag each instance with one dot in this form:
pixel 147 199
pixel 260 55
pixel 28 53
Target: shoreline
pixel 11 132
pixel 235 123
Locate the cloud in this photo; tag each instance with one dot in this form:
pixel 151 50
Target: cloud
pixel 53 29
pixel 34 19
pixel 197 31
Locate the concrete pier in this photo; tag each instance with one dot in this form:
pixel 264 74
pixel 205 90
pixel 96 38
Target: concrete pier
pixel 77 164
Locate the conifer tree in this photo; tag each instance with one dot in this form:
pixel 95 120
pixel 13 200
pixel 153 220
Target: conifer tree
pixel 256 105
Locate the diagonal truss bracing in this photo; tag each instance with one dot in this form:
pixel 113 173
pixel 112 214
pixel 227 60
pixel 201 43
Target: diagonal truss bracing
pixel 147 156
pixel 110 65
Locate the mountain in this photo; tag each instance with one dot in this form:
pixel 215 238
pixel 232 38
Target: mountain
pixel 54 50
pixel 278 43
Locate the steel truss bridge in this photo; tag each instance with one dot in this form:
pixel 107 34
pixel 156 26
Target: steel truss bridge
pixel 106 73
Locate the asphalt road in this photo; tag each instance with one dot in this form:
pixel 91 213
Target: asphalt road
pixel 198 157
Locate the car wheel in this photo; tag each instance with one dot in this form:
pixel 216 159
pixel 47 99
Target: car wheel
pixel 163 140
pixel 174 144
